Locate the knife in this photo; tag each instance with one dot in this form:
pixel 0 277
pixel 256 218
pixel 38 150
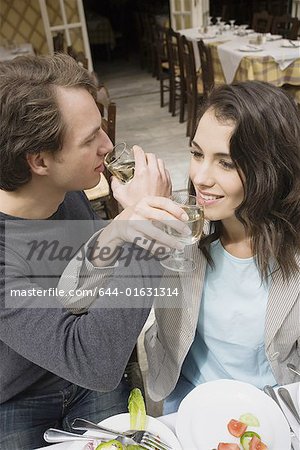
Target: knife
pixel 287 399
pixel 270 391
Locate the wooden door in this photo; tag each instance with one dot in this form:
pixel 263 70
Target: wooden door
pixel 66 16
pixel 188 13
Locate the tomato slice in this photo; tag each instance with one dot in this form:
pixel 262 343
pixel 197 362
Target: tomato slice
pixel 256 444
pixel 236 428
pixel 224 446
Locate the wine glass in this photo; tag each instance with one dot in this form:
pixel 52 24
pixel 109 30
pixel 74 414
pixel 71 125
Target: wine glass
pixel 232 22
pixel 120 162
pixel 219 20
pixel 176 260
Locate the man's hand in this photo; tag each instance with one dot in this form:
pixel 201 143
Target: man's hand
pixel 151 178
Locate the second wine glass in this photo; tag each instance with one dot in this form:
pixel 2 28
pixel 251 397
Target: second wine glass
pixel 176 260
pixel 120 162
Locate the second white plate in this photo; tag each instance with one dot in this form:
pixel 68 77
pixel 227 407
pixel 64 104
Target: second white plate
pixel 205 412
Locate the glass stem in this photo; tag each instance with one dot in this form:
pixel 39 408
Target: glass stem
pixel 178 253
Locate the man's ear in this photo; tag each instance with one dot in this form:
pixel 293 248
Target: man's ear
pixel 38 162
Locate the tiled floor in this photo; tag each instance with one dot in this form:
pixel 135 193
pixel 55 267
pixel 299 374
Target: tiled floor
pixel 141 120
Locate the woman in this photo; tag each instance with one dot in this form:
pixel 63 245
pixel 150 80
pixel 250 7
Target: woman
pixel 239 312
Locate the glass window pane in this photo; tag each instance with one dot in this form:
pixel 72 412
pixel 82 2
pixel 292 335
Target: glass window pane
pixel 54 12
pixel 187 5
pixel 177 4
pixel 71 11
pixel 76 39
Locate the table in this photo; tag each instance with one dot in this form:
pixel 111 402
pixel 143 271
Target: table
pixel 274 64
pixel 170 420
pixel 6 54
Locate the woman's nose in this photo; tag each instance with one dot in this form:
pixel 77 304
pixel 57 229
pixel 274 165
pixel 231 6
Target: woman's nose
pixel 204 176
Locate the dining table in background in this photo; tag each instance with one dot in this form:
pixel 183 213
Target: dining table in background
pixel 10 52
pixel 278 61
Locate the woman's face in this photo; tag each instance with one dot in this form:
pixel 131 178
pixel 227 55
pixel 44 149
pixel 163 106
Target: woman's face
pixel 217 183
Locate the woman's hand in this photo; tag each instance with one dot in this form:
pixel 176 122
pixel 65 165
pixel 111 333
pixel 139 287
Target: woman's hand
pixel 143 224
pixel 151 178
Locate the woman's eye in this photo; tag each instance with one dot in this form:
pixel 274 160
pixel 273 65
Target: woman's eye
pixel 196 155
pixel 227 164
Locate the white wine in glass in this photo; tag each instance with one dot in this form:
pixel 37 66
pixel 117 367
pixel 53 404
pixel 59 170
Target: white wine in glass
pixel 176 260
pixel 195 224
pixel 120 162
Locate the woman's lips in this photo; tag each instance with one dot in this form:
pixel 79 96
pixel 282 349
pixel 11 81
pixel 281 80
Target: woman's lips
pixel 208 199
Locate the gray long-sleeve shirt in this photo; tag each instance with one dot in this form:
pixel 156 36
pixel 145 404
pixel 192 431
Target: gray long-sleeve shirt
pixel 44 346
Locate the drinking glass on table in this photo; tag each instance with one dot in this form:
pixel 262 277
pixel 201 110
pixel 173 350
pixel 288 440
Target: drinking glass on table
pixel 120 162
pixel 232 22
pixel 176 260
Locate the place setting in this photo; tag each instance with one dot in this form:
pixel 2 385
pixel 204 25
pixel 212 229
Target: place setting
pixel 288 43
pixel 221 413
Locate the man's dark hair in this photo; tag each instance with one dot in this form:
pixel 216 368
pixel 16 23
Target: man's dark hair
pixel 30 119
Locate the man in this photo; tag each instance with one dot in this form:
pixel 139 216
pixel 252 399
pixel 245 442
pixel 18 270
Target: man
pixel 57 365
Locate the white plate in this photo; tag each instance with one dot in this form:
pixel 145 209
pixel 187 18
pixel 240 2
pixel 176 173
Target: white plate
pixel 122 422
pixel 206 36
pixel 273 37
pixel 287 44
pixel 205 412
pixel 251 49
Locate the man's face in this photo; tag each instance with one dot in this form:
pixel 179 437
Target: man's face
pixel 80 162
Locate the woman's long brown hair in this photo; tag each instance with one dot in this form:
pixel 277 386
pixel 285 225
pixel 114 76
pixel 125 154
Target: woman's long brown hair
pixel 265 147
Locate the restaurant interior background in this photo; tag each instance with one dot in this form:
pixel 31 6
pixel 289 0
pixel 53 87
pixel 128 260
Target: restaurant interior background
pixel 114 54
pixel 22 21
pixel 121 14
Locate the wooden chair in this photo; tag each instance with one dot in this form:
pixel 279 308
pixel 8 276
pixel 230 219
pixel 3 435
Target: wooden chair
pixel 101 195
pixel 163 66
pixel 177 80
pixel 207 71
pixel 194 97
pixel 262 22
pixel 58 42
pixel 286 25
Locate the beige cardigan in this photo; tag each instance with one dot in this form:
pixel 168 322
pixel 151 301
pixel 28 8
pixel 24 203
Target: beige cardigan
pixel 168 340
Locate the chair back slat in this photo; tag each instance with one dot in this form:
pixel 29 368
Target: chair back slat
pixel 286 25
pixel 208 78
pixel 262 22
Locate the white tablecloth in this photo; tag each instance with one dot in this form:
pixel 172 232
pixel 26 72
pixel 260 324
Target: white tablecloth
pixel 229 54
pixel 7 54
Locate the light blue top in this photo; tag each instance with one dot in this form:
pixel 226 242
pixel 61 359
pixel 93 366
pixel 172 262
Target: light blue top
pixel 229 341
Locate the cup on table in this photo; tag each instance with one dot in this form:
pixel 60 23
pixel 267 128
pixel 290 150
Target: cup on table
pixel 261 39
pixel 120 162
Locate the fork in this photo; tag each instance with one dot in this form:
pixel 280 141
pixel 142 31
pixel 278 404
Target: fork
pixel 146 439
pixel 54 435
